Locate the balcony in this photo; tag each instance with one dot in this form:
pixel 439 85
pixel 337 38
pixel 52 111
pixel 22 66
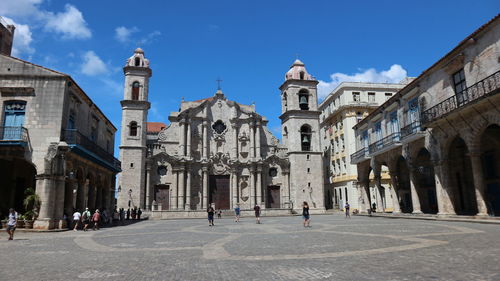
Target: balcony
pixel 482 89
pixel 13 136
pixel 360 155
pixel 385 144
pixel 413 129
pixel 85 145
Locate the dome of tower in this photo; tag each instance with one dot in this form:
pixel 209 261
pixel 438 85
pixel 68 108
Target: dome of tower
pixel 139 50
pixel 298 71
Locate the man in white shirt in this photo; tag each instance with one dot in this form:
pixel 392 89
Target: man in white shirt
pixel 76 219
pixel 11 224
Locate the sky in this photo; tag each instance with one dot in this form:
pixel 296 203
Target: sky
pixel 249 45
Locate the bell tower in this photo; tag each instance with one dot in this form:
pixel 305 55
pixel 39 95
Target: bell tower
pixel 135 106
pixel 300 130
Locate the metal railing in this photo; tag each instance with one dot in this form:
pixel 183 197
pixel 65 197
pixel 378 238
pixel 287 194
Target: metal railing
pixel 17 134
pixel 385 142
pixel 410 129
pixel 486 87
pixel 359 154
pixel 73 136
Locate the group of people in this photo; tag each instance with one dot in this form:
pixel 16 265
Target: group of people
pixel 103 217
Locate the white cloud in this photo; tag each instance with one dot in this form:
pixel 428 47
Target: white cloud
pixel 123 34
pixel 22 39
pixel 149 38
pixel 93 65
pixel 69 23
pixel 394 74
pixel 20 8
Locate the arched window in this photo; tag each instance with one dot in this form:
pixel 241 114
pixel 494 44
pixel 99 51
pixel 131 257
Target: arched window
pixel 303 99
pixel 137 62
pixel 305 137
pixel 285 101
pixel 135 90
pixel 133 129
pixel 302 75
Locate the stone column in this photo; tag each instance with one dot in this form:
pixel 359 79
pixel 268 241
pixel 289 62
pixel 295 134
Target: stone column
pixel 188 147
pixel 181 189
pixel 188 188
pixel 415 200
pixel 205 139
pixel 445 206
pixel 204 200
pixel 86 187
pixel 286 191
pixel 148 188
pixel 365 196
pixel 257 140
pixel 378 187
pixel 235 141
pixel 252 188
pixel 68 197
pixel 182 125
pixel 46 190
pixel 252 141
pixel 234 188
pixel 259 185
pixel 175 191
pixel 394 195
pixel 477 170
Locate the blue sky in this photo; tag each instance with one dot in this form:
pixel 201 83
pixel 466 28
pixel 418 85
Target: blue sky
pixel 249 44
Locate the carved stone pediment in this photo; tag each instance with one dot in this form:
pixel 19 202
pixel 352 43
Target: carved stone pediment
pixel 220 163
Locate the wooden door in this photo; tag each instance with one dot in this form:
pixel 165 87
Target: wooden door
pixel 219 192
pixel 162 196
pixel 273 197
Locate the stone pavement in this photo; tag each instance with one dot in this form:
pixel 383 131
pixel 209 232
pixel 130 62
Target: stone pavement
pixel 361 248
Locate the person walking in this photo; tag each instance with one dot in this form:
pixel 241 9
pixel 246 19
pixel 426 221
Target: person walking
pixel 128 213
pixel 96 218
pixel 210 212
pixel 305 214
pixel 77 216
pixel 257 214
pixel 11 223
pixel 237 212
pixel 347 207
pixel 219 214
pixel 374 207
pixel 86 219
pixel 122 216
pixel 139 213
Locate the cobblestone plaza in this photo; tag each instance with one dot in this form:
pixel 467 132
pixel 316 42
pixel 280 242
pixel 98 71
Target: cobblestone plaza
pixel 335 248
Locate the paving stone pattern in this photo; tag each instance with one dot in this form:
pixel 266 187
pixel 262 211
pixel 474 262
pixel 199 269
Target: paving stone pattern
pixel 361 248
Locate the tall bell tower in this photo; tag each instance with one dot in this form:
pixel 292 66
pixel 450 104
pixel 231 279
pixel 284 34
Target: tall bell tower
pixel 135 106
pixel 300 130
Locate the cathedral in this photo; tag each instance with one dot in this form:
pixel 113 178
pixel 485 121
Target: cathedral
pixel 219 152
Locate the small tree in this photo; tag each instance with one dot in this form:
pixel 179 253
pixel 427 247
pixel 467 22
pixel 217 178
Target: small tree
pixel 31 204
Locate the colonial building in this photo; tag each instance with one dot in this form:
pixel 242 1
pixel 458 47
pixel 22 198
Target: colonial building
pixel 55 139
pixel 217 151
pixel 345 106
pixel 439 136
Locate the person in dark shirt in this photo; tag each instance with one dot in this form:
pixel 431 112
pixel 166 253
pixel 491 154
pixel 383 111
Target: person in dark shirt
pixel 305 214
pixel 210 212
pixel 257 214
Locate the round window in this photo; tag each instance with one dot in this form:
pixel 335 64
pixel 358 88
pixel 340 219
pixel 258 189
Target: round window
pixel 162 170
pixel 273 172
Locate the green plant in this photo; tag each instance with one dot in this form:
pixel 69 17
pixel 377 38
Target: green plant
pixel 31 203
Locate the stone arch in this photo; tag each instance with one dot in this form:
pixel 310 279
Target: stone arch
pixel 425 182
pixel 490 162
pixel 402 180
pixel 479 126
pixel 461 179
pixel 17 176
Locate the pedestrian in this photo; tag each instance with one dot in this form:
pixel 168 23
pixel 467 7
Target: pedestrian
pixel 133 213
pixel 76 219
pixel 257 213
pixel 11 223
pixel 219 214
pixel 139 213
pixel 237 212
pixel 305 214
pixel 210 212
pixel 128 213
pixel 374 207
pixel 347 207
pixel 96 218
pixel 122 216
pixel 86 219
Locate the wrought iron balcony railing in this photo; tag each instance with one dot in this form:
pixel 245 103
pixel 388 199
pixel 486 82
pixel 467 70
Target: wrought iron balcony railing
pixel 486 87
pixel 360 154
pixel 410 129
pixel 14 134
pixel 73 136
pixel 385 142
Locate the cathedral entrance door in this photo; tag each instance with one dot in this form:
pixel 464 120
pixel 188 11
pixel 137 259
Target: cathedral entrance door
pixel 162 196
pixel 219 192
pixel 273 197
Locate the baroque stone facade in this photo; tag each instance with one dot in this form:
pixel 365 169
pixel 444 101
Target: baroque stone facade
pixel 439 136
pixel 217 151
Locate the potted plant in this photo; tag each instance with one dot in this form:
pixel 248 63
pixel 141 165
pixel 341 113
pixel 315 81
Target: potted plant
pixel 20 221
pixel 32 205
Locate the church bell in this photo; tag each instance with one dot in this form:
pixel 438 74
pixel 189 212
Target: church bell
pixel 303 100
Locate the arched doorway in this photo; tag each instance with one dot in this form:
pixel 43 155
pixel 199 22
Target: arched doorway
pixel 490 158
pixel 17 175
pixel 461 178
pixel 426 184
pixel 403 189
